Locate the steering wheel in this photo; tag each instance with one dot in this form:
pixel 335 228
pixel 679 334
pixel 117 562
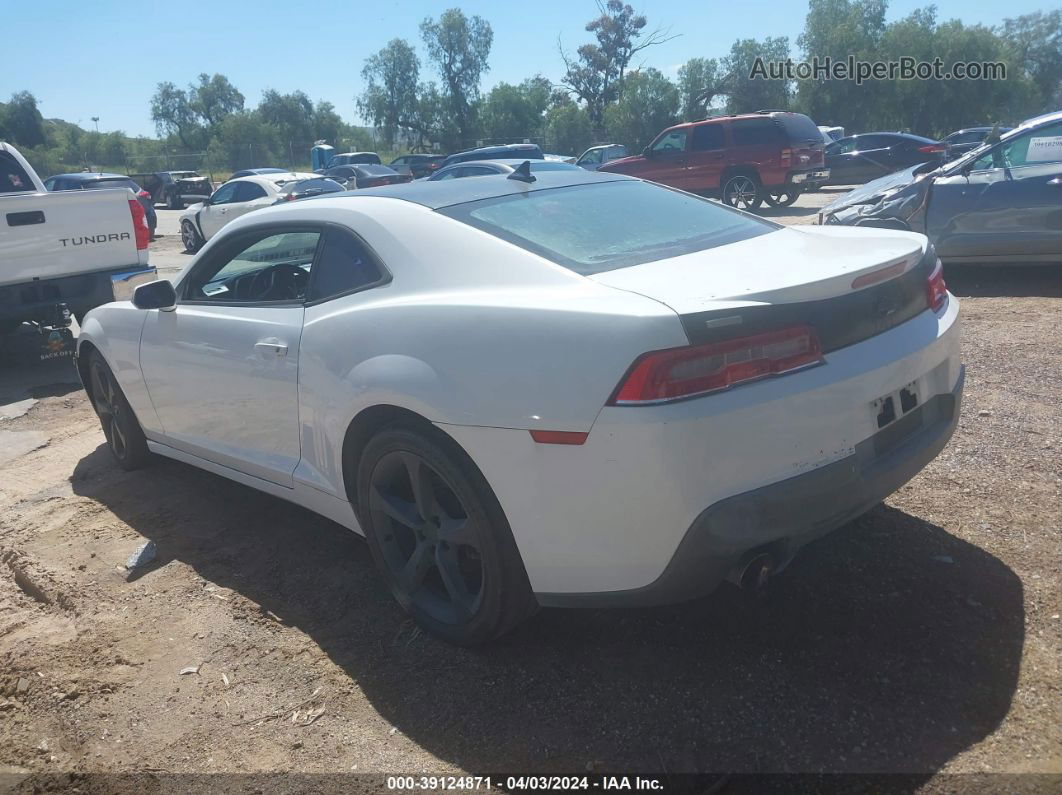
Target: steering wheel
pixel 283 281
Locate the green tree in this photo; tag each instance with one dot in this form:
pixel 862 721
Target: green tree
pixel 22 121
pixel 650 102
pixel 1034 42
pixel 214 99
pixel 391 80
pixel 459 47
pixel 327 125
pixel 174 115
pixel 837 29
pixel 510 111
pixel 747 93
pixel 245 140
pixel 290 115
pixel 568 129
pixel 596 72
pixel 700 81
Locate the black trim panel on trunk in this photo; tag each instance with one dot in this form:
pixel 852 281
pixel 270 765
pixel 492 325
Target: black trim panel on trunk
pixel 839 321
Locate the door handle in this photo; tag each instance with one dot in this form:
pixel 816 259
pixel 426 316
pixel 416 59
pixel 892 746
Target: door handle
pixel 273 346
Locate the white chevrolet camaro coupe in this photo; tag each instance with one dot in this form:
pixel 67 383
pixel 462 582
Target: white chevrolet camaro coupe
pixel 579 389
pixel 235 198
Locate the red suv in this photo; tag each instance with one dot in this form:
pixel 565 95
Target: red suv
pixel 747 159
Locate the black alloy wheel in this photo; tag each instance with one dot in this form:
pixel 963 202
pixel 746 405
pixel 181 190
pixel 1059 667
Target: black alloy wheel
pixel 125 438
pixel 783 198
pixel 439 536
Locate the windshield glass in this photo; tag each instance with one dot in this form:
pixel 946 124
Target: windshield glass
pixel 600 227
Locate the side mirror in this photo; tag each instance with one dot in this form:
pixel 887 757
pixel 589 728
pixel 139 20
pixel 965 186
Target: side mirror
pixel 647 152
pixel 966 169
pixel 155 295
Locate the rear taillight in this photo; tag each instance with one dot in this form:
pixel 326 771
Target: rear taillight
pixel 140 224
pixel 787 157
pixel 931 149
pixel 936 289
pixel 678 373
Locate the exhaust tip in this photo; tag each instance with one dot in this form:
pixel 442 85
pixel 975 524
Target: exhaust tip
pixel 756 574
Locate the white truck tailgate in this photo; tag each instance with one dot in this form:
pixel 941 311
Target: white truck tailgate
pixel 46 235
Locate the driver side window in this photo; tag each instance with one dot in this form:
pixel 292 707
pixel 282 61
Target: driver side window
pixel 1038 147
pixel 671 141
pixel 224 194
pixel 266 268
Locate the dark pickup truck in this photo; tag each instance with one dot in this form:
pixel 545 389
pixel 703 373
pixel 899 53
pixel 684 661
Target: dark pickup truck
pixel 175 189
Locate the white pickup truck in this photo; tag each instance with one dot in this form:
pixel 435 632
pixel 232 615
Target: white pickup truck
pixel 64 253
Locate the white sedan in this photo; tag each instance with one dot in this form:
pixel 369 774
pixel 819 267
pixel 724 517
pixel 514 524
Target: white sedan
pixel 578 390
pixel 237 197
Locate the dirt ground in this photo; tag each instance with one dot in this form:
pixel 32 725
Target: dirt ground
pixel 923 638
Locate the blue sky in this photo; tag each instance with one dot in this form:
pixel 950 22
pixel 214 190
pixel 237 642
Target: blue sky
pixel 104 57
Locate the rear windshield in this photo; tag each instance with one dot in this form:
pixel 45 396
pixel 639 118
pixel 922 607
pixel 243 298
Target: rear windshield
pixel 601 227
pixel 374 170
pixel 13 178
pixel 97 184
pixel 799 127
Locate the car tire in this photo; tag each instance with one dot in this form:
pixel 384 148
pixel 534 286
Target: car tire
pixel 742 191
pixel 190 237
pixel 125 437
pixel 440 537
pixel 782 198
pixel 173 201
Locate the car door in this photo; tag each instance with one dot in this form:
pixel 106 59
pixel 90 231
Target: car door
pixel 222 367
pixel 842 160
pixel 215 211
pixel 1006 204
pixel 707 157
pixel 666 158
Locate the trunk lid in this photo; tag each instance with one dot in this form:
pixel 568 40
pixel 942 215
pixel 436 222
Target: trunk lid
pixel 850 284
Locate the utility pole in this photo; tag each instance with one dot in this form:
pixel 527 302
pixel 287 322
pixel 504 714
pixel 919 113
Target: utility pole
pixel 96 120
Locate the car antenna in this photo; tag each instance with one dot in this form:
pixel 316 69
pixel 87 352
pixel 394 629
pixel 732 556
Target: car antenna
pixel 523 173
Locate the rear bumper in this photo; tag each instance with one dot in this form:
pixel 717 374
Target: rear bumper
pixel 815 176
pixel 782 517
pixel 36 300
pixel 611 515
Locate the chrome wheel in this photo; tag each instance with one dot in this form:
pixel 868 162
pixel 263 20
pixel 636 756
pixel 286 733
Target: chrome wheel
pixel 189 237
pixel 742 192
pixel 429 544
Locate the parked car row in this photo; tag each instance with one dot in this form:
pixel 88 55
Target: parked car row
pixel 998 203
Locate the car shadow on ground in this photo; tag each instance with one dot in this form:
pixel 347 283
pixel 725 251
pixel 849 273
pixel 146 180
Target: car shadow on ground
pixel 767 211
pixel 888 646
pixel 1014 281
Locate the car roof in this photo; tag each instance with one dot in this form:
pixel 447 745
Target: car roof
pixel 348 154
pixel 448 192
pixel 90 176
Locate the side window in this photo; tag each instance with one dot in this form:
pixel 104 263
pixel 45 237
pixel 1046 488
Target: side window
pixel 756 132
pixel 843 147
pixel 225 194
pixel 49 184
pixel 248 191
pixel 1038 147
pixel 708 136
pixel 593 156
pixel 265 268
pixel 477 171
pixel 449 173
pixel 868 142
pixel 671 141
pixel 343 266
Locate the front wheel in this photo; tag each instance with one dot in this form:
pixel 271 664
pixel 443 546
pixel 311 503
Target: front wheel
pixel 190 237
pixel 782 198
pixel 440 537
pixel 125 438
pixel 742 192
